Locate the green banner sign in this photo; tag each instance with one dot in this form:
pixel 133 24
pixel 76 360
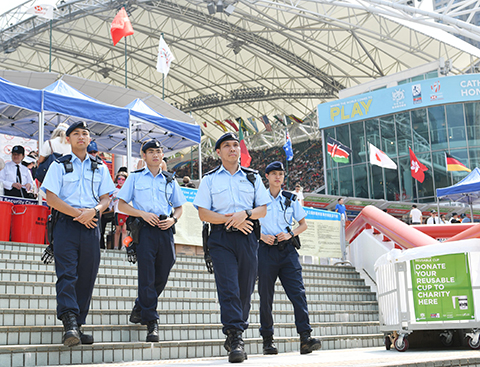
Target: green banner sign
pixel 442 288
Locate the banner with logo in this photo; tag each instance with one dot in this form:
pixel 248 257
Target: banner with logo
pixel 424 93
pixel 322 238
pixel 442 288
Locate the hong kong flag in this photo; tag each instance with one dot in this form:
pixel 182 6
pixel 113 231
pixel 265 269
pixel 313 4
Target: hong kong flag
pixel 121 26
pixel 417 168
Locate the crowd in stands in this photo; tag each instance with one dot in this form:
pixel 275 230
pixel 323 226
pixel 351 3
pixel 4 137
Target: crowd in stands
pixel 305 169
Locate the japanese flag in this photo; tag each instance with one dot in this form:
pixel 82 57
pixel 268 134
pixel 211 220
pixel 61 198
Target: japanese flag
pixel 379 158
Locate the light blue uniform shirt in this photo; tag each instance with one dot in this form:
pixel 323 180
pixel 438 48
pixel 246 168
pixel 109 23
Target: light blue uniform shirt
pixel 75 188
pixel 147 192
pixel 275 221
pixel 223 193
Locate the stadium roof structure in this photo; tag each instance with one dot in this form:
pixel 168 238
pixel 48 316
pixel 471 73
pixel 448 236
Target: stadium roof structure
pixel 242 58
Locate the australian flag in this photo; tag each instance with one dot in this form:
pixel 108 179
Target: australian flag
pixel 288 148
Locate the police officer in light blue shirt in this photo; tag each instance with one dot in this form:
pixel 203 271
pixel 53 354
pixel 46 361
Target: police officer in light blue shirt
pixel 278 258
pixel 229 198
pixel 153 193
pixel 77 187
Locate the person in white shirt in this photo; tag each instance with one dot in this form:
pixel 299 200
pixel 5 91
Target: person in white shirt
pixel 57 143
pixel 415 215
pixel 299 193
pixel 433 217
pixel 17 179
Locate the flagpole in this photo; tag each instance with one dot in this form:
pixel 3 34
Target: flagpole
pixel 50 61
pixel 126 81
pixel 163 80
pixel 286 158
pixel 324 163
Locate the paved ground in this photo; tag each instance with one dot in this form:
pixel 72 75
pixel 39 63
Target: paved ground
pixel 364 357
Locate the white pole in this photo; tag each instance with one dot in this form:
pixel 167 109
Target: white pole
pixel 41 137
pixel 129 143
pixel 200 162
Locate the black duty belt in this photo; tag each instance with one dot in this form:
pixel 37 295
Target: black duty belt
pixel 221 227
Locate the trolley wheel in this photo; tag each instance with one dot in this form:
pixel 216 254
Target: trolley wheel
pixel 401 347
pixel 388 343
pixel 445 341
pixel 472 345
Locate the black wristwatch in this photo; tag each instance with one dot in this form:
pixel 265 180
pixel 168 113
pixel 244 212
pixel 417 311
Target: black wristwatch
pixel 175 219
pixel 249 213
pixel 97 212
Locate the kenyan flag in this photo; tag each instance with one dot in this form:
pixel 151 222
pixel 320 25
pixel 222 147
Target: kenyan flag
pixel 339 152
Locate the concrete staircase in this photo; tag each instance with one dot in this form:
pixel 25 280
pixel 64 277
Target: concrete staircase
pixel 343 312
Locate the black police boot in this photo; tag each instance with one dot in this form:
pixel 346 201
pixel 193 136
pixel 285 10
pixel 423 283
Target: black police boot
pixel 72 334
pixel 235 346
pixel 308 344
pixel 152 335
pixel 136 315
pixel 269 345
pixel 85 338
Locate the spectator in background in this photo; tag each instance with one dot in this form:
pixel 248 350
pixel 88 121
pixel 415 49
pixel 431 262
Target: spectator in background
pixel 17 179
pixel 2 164
pixel 299 193
pixel 415 215
pixel 123 169
pixel 57 143
pixel 465 219
pixel 92 149
pixel 340 208
pixel 455 218
pixel 433 217
pixel 443 219
pixel 120 218
pixel 187 182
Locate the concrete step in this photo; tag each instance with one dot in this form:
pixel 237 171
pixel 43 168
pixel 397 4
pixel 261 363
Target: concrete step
pixel 34 301
pixel 26 335
pixel 190 270
pixel 56 354
pixel 26 316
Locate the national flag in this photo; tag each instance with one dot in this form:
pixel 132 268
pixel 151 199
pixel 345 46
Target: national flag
pixel 222 125
pixel 121 26
pixel 287 147
pixel 42 11
pixel 165 57
pixel 243 126
pixel 379 158
pixel 416 167
pixel 295 119
pixel 232 124
pixel 245 158
pixel 453 164
pixel 340 153
pixel 205 123
pixel 266 122
pixel 253 123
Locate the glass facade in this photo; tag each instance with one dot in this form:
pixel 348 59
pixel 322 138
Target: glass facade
pixel 430 132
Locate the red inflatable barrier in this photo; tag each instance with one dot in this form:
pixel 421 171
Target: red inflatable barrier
pixel 6 215
pixel 29 223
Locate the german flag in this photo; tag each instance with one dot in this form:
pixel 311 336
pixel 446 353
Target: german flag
pixel 453 164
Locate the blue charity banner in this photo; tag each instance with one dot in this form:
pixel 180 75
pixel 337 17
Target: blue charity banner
pixel 423 93
pixel 318 214
pixel 190 194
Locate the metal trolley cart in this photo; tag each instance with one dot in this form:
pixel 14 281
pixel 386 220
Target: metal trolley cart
pixel 435 288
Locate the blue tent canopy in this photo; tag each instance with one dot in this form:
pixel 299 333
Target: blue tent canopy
pixel 147 123
pixel 466 191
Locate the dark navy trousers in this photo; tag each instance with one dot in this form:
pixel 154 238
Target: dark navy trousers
pixel 273 263
pixel 77 257
pixel 234 257
pixel 155 257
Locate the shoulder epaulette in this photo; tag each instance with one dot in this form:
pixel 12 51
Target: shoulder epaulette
pixel 248 170
pixel 168 176
pixel 96 159
pixel 63 159
pixel 139 170
pixel 212 171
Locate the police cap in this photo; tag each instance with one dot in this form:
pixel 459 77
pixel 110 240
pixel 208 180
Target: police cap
pixel 274 166
pixel 18 149
pixel 92 147
pixel 225 137
pixel 152 143
pixel 77 125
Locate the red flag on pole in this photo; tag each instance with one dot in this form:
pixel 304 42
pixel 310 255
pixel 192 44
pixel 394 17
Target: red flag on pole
pixel 416 167
pixel 121 26
pixel 245 158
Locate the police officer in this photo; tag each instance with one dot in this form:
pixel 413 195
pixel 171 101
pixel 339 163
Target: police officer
pixel 153 194
pixel 230 197
pixel 77 186
pixel 278 258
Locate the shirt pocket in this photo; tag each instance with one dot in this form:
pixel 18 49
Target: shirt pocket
pixel 287 215
pixel 161 192
pixel 247 194
pixel 71 184
pixel 143 194
pixel 220 198
pixel 97 180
